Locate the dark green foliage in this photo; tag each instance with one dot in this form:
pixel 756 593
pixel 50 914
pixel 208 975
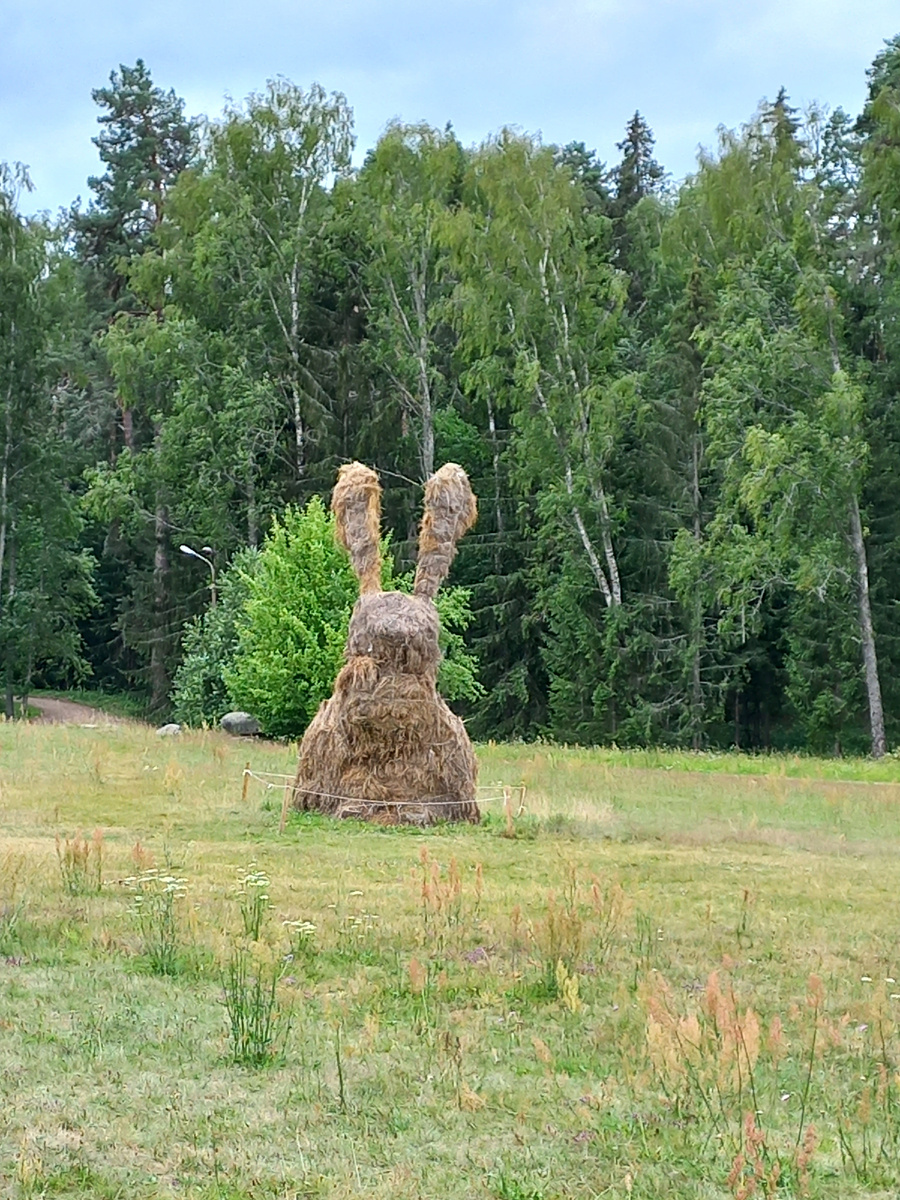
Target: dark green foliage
pixel 124 391
pixel 45 578
pixel 638 174
pixel 209 642
pixel 145 143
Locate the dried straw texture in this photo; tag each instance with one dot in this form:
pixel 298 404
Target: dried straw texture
pixel 356 504
pixel 386 747
pixel 450 510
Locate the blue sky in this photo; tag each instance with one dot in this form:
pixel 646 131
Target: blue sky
pixel 571 69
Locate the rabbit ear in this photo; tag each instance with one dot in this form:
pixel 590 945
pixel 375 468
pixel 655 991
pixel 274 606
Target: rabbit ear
pixel 450 510
pixel 356 504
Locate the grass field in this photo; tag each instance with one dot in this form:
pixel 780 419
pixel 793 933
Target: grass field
pixel 678 979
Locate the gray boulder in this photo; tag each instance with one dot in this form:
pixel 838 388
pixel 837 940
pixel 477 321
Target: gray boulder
pixel 170 730
pixel 240 724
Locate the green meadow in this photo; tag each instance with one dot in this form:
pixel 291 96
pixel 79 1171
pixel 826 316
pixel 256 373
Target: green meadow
pixel 674 975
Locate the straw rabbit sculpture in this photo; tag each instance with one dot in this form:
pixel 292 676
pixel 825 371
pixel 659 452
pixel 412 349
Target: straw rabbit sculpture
pixel 385 746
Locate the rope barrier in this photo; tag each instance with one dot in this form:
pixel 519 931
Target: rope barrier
pixel 263 777
pixel 442 801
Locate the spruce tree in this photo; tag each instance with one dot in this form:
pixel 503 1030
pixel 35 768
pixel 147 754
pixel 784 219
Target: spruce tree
pixel 638 174
pixel 636 178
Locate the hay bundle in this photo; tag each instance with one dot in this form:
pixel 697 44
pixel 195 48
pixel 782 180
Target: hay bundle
pixel 385 746
pixel 450 511
pixel 356 504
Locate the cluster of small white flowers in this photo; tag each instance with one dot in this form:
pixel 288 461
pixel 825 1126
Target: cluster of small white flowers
pixel 254 881
pixel 301 934
pixel 359 924
pixel 153 880
pixel 253 898
pixel 302 929
pixel 887 979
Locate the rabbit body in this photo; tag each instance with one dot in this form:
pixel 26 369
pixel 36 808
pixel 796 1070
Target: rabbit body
pixel 385 746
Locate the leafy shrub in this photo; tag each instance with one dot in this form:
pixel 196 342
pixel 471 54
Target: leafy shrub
pixel 293 625
pixel 458 672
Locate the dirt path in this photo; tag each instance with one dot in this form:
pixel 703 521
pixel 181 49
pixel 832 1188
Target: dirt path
pixel 67 712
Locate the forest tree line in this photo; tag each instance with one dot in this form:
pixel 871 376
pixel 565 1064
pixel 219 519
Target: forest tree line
pixel 678 405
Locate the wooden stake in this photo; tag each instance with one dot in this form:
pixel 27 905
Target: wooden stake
pixel 246 782
pixel 507 808
pixel 521 800
pixel 288 791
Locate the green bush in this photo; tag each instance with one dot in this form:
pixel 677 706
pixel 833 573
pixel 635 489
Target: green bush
pixel 293 625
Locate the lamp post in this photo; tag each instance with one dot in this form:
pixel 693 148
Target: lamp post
pixel 191 553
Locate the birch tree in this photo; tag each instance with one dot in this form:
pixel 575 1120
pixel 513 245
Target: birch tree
pixel 411 181
pixel 785 417
pixel 266 208
pixel 536 289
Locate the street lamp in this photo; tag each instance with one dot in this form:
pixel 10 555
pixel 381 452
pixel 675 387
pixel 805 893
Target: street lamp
pixel 191 553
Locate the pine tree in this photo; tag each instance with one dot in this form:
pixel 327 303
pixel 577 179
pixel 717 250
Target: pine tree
pixel 145 144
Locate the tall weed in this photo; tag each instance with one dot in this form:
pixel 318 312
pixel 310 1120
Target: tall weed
pixel 13 870
pixel 257 1023
pixel 81 863
pixel 156 908
pixel 443 903
pixel 577 926
pixel 253 899
pixel 745 1088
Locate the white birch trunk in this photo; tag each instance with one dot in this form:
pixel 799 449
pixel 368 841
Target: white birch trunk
pixel 867 632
